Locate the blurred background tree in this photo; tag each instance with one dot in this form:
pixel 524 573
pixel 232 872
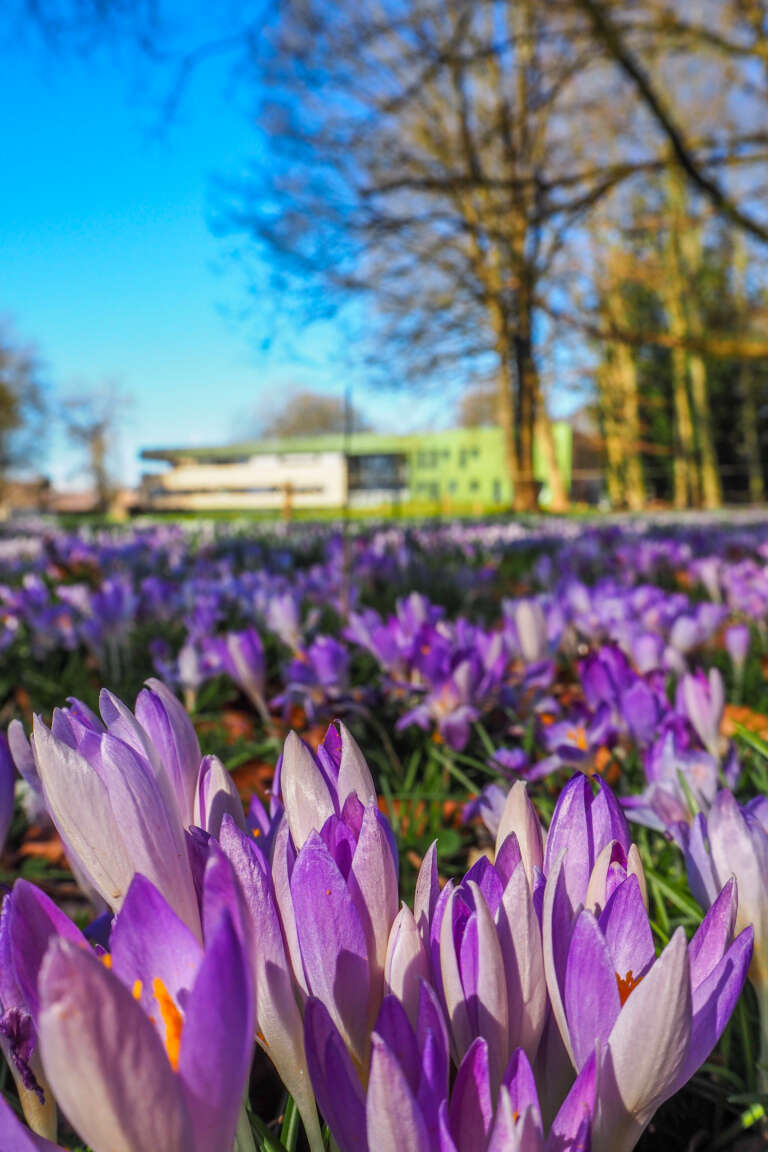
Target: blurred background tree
pixel 91 419
pixel 23 409
pixel 305 413
pixel 507 199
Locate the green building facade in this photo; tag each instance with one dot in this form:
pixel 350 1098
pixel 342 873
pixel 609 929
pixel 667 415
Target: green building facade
pixel 462 468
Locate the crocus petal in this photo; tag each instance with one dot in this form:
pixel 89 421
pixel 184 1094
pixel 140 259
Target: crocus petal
pixel 471 1108
pixel 484 875
pixel 217 1040
pixel 507 859
pixel 149 941
pixel 393 1118
pixel 519 1082
pixel 374 891
pixel 624 924
pixel 152 834
pixel 407 963
pixel 21 752
pixel 556 928
pixel 32 920
pixel 427 891
pixel 519 936
pixel 582 824
pixel 491 1010
pixel 79 805
pixel 646 1050
pixel 171 731
pixel 283 860
pixel 14 1137
pixel 216 795
pixel 433 1042
pixel 513 1131
pixel 396 1030
pixel 354 773
pixel 306 796
pixel 596 897
pixel 702 875
pixel 740 848
pixel 592 1002
pixel 333 943
pixel 571 1128
pixel 714 999
pixel 635 868
pixel 453 989
pixel 520 817
pixel 711 939
pixel 277 1019
pixel 92 1032
pixel 334 1079
pixel 7 783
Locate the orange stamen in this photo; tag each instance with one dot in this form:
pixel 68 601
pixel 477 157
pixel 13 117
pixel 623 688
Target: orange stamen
pixel 172 1019
pixel 579 737
pixel 626 984
pixel 136 990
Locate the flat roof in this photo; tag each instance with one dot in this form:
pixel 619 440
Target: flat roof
pixel 359 444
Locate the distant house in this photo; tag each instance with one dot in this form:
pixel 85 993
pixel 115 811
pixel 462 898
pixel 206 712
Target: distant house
pixel 457 468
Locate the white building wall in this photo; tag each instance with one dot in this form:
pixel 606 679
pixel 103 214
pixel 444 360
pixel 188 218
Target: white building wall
pixel 306 479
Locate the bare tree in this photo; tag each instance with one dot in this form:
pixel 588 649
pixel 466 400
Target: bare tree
pixel 306 413
pixel 22 407
pixel 429 158
pixel 91 422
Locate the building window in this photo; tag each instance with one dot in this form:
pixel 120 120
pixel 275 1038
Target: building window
pixel 497 491
pixel 462 458
pixel 474 485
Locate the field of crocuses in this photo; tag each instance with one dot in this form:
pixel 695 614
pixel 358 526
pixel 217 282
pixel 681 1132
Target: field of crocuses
pixel 438 838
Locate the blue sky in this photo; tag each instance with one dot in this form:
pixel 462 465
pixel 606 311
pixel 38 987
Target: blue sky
pixel 107 263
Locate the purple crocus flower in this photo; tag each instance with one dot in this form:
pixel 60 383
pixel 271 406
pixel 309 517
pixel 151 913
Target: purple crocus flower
pixel 485 946
pixel 737 640
pixel 583 824
pixel 682 780
pixel 317 676
pixel 278 1017
pixel 120 792
pixel 322 913
pixel 702 699
pixel 450 707
pixel 240 655
pixel 406 1102
pixel 733 841
pixel 651 1021
pixel 32 798
pixel 29 921
pixel 153 1050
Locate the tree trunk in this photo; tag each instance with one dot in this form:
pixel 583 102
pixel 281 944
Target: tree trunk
pixel 751 436
pixel 634 483
pixel 506 411
pixel 710 487
pixel 675 283
pixel 626 405
pixel 614 472
pixel 525 418
pixel 686 479
pixel 546 437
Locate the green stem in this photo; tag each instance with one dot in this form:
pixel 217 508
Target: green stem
pixel 289 1133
